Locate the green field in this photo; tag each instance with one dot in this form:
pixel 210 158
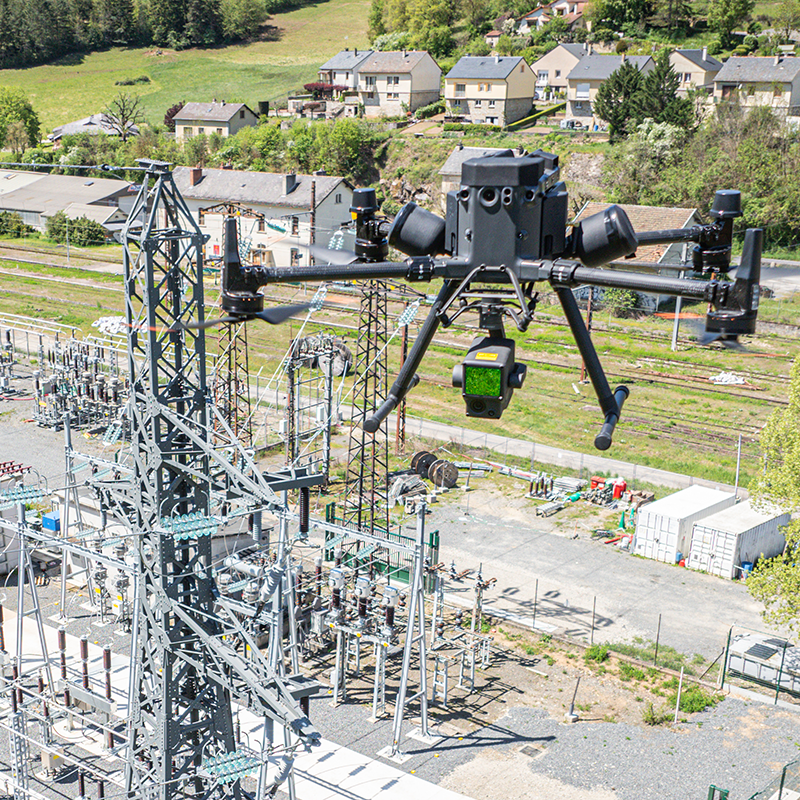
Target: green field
pixel 291 48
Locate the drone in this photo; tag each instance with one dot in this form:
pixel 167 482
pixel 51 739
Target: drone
pixel 505 230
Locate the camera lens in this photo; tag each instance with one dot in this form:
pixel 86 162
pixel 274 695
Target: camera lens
pixel 489 197
pixel 478 406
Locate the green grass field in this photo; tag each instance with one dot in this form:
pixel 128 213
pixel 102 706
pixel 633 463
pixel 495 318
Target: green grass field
pixel 291 48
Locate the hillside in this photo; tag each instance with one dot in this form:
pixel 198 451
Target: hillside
pixel 291 47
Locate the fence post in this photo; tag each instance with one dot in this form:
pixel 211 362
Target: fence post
pixel 658 636
pixel 725 662
pixel 780 675
pixel 535 598
pixel 594 606
pixel 678 701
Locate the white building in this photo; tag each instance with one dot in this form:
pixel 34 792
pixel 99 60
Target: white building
pixel 395 82
pixel 285 200
pixel 738 535
pixel 664 528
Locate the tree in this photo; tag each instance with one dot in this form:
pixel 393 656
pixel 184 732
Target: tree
pixel 725 16
pixel 616 97
pixel 376 26
pixel 775 582
pixel 114 20
pixel 242 18
pixel 658 97
pixel 123 113
pixel 17 138
pixel 169 117
pixel 204 21
pixel 15 107
pixel 786 18
pixel 615 14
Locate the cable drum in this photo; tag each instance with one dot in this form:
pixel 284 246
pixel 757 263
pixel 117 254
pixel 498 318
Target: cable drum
pixel 443 474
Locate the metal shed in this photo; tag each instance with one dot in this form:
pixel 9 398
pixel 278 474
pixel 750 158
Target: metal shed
pixel 741 533
pixel 664 528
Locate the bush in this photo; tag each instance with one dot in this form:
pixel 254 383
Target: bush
pixel 471 128
pixel 622 46
pixel 714 47
pixel 597 653
pixel 653 716
pixel 619 302
pixel 694 698
pixel 132 81
pixel 630 672
pixel 750 42
pixel 430 110
pixel 11 224
pixel 741 50
pixel 81 231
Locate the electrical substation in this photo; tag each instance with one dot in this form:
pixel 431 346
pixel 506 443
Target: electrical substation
pixel 217 572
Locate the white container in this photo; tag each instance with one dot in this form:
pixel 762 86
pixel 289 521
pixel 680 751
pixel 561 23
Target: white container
pixel 723 541
pixel 664 528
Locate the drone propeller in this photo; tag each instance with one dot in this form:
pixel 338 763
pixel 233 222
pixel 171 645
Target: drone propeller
pixel 730 341
pixel 325 255
pixel 274 316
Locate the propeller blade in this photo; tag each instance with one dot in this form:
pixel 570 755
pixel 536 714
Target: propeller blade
pixel 708 338
pixel 208 323
pixel 274 316
pixel 338 258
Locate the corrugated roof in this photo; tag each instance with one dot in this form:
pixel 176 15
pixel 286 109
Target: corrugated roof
pixel 742 517
pixel 99 214
pixel 392 61
pixel 47 194
pixel 93 124
pixel 217 112
pixel 648 218
pixel 268 188
pixel 457 158
pixel 346 59
pixel 686 502
pixel 488 67
pixel 709 63
pixel 756 69
pixel 597 68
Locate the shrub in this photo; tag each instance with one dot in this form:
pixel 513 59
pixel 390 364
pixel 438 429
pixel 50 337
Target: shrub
pixel 132 81
pixel 628 672
pixel 81 231
pixel 430 110
pixel 597 653
pixel 471 128
pixel 714 47
pixel 11 224
pixel 750 42
pixel 622 46
pixel 653 716
pixel 619 302
pixel 694 698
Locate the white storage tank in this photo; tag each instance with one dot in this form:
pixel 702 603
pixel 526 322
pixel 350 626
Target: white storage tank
pixel 737 535
pixel 664 528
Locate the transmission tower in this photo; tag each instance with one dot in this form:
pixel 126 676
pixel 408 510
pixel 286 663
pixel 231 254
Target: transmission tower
pixel 187 669
pixel 366 505
pixel 231 368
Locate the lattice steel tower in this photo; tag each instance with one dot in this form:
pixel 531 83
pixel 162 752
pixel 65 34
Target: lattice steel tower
pixel 186 667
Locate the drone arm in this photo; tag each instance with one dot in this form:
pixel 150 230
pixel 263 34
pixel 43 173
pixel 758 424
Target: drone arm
pixel 412 269
pixel 407 377
pixel 610 403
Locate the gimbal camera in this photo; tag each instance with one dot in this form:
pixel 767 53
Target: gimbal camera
pixel 506 229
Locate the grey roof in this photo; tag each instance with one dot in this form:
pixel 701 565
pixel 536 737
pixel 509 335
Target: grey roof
pixel 47 194
pixel 488 67
pixel 94 124
pixel 217 112
pixel 346 59
pixel 759 70
pixel 392 61
pixel 709 63
pixel 459 155
pixel 265 188
pixel 578 50
pixel 598 68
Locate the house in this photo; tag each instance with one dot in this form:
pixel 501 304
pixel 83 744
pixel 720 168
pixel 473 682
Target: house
pixel 393 83
pixel 551 69
pixel 496 90
pixel 342 69
pixel 571 10
pixel 296 210
pixel 668 257
pixel 36 195
pixel 492 38
pixel 695 68
pixel 96 123
pixel 761 81
pixel 223 118
pixel 588 75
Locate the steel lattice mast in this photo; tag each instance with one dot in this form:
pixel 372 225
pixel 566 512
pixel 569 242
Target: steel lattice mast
pixel 186 666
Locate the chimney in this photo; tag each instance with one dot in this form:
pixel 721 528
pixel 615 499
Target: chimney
pixel 623 58
pixel 195 175
pixel 497 59
pixel 355 51
pixel 591 48
pixel 777 60
pixel 705 54
pixel 291 183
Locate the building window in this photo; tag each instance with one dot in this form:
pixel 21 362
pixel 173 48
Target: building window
pixel 370 95
pixel 201 131
pixel 241 113
pixel 480 87
pixel 393 95
pixel 777 91
pixel 219 131
pixel 558 73
pixel 338 199
pixel 687 77
pixel 187 131
pixel 461 89
pixel 478 103
pixel 201 215
pixel 294 257
pixel 579 105
pixel 543 75
pixel 393 80
pixel 295 226
pixel 491 104
pixel 369 80
pixel 522 67
pixel 261 226
pixel 582 91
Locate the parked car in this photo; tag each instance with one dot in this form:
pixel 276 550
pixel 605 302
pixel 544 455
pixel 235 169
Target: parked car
pixel 573 125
